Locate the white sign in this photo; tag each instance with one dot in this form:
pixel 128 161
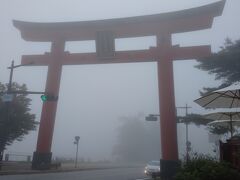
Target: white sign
pixel 151 118
pixel 7 97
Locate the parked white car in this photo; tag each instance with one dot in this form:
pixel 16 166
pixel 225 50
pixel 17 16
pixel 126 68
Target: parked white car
pixel 152 168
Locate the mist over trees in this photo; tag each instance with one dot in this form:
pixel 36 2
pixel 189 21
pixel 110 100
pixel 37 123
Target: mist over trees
pixel 138 140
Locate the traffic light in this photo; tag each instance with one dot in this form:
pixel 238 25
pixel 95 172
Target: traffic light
pixel 48 97
pixel 44 98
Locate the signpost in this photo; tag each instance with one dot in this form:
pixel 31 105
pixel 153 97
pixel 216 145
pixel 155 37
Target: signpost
pixel 152 117
pixel 77 138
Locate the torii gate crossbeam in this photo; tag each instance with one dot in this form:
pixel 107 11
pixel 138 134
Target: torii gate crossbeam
pixel 162 26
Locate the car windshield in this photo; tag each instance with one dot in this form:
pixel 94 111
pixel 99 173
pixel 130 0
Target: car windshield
pixel 154 163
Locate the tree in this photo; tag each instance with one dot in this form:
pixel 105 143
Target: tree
pixel 198 120
pixel 138 140
pixel 16 120
pixel 224 64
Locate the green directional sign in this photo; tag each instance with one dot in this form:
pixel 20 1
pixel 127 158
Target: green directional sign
pixel 151 118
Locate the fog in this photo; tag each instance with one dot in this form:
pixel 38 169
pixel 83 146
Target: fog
pixel 93 98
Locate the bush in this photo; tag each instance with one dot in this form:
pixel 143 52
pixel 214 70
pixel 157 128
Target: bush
pixel 202 167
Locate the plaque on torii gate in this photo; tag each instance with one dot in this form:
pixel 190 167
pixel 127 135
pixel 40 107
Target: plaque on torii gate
pixel 104 32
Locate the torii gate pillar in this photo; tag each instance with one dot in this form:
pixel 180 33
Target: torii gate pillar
pixel 42 156
pixel 169 162
pixel 104 32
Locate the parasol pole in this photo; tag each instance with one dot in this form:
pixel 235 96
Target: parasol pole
pixel 231 128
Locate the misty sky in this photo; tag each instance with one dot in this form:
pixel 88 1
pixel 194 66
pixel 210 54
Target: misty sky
pixel 93 97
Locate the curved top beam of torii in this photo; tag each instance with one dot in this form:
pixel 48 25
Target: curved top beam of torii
pixel 161 25
pixel 172 22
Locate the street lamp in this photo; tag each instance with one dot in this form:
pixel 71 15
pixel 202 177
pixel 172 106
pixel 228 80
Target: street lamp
pixel 12 67
pixel 8 95
pixel 77 138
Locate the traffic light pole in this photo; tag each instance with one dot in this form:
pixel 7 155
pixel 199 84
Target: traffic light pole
pixel 27 92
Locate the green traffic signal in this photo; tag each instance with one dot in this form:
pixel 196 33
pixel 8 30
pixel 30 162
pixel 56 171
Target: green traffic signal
pixel 48 97
pixel 44 98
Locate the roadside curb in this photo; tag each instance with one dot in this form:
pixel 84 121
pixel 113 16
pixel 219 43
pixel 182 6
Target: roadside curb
pixel 6 173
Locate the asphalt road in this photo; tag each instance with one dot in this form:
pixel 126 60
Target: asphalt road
pixel 103 174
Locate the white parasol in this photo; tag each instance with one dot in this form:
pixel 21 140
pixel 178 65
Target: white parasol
pixel 222 118
pixel 228 97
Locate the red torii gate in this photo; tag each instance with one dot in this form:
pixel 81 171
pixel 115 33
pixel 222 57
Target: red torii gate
pixel 104 32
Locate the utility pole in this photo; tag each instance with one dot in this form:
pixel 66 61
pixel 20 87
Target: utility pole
pixel 188 143
pixel 154 117
pixel 10 78
pixel 9 88
pixel 9 96
pixel 12 67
